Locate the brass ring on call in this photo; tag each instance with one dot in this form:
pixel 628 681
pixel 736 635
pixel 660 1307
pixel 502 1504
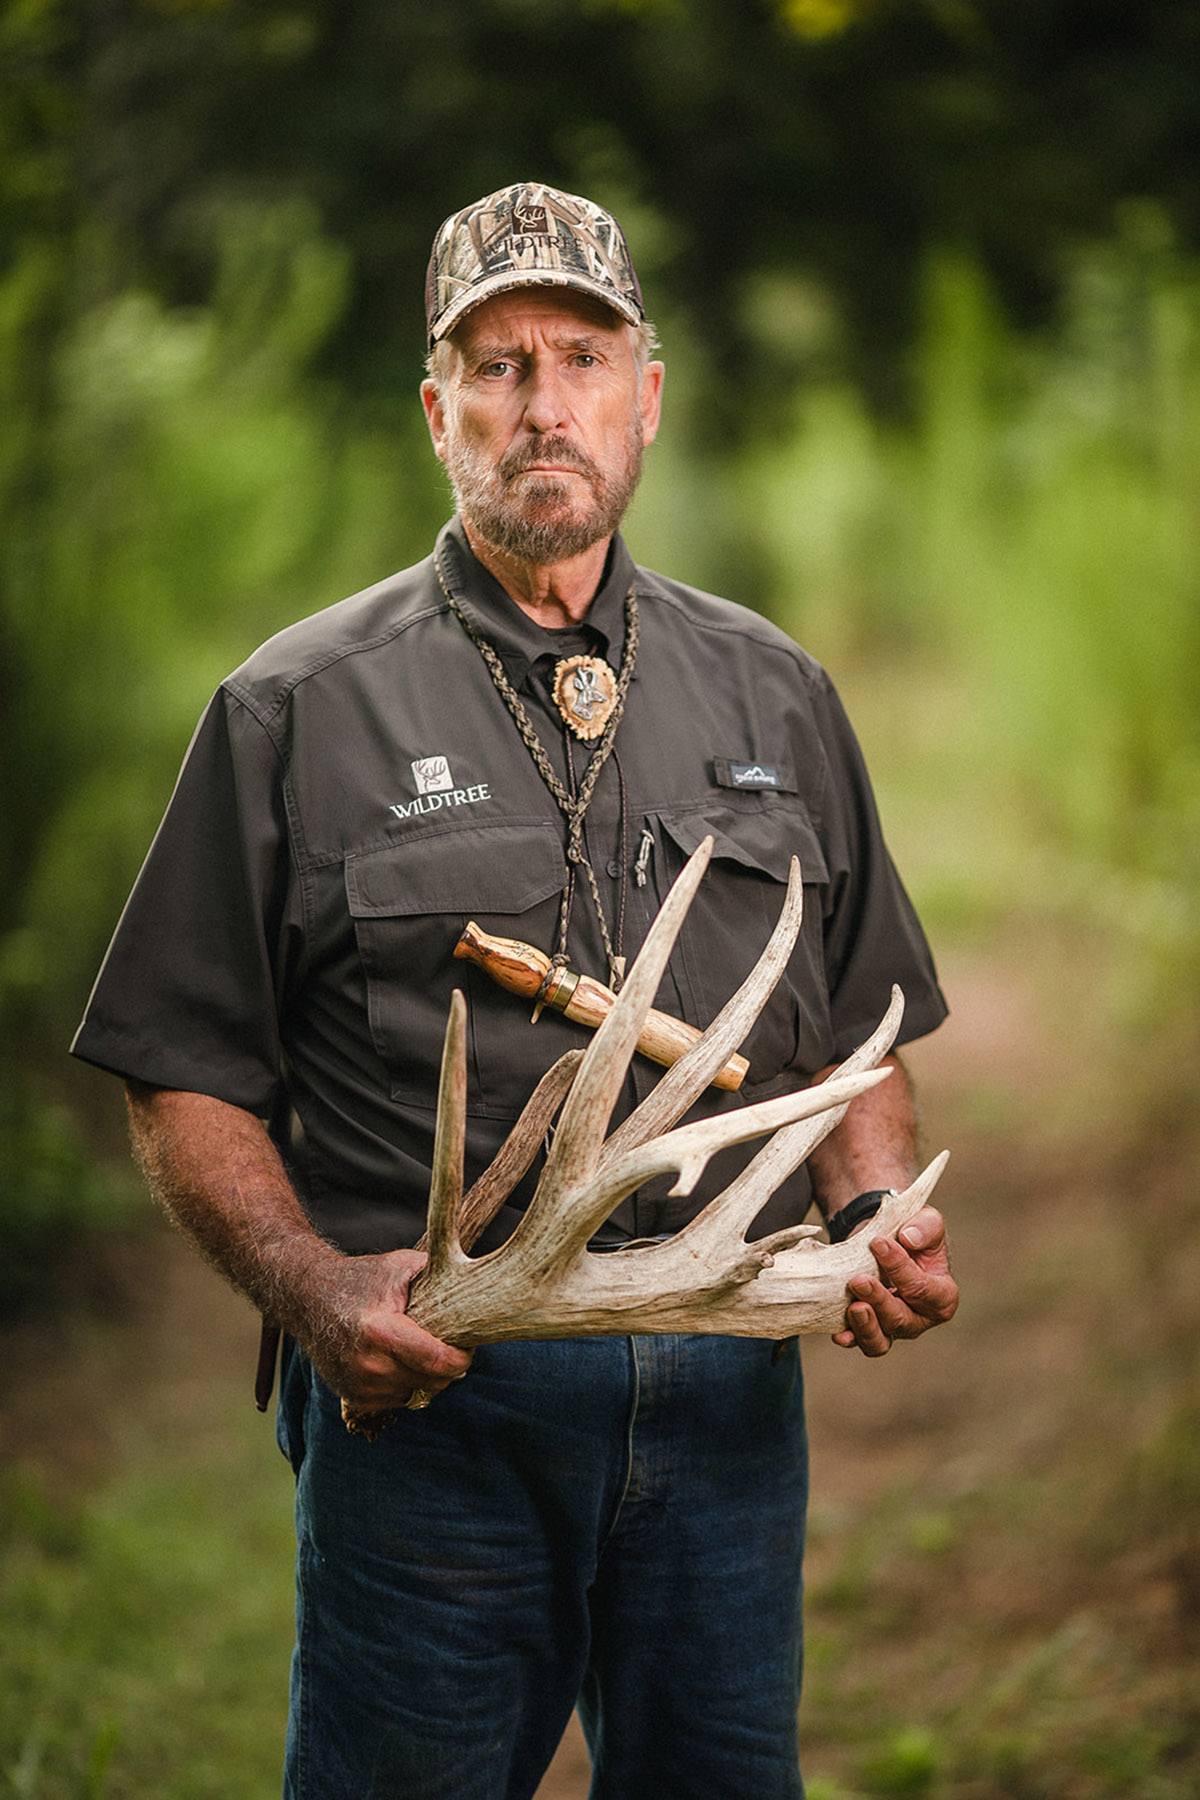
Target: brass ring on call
pixel 418 1398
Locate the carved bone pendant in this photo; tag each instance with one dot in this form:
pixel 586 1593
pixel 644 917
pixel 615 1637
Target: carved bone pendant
pixel 585 692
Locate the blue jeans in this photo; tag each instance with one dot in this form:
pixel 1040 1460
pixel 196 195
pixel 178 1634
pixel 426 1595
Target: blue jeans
pixel 613 1522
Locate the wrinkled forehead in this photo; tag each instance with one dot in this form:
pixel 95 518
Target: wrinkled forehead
pixel 517 318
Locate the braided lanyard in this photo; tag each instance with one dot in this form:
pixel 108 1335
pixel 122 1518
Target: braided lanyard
pixel 573 803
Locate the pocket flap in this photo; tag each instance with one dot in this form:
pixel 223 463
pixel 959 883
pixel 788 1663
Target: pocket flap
pixel 493 869
pixel 765 841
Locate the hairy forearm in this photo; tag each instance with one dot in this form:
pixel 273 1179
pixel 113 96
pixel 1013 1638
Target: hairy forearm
pixel 875 1146
pixel 214 1170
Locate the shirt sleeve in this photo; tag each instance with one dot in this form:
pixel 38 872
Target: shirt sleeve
pixel 189 993
pixel 872 934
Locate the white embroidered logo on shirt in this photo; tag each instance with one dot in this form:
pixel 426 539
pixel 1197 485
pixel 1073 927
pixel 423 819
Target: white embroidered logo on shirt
pixel 436 789
pixel 432 774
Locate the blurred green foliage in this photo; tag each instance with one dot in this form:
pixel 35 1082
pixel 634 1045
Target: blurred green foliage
pixel 1028 547
pixel 925 280
pixel 55 1192
pixel 834 139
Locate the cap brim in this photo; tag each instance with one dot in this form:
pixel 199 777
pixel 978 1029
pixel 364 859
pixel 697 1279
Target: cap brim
pixel 523 278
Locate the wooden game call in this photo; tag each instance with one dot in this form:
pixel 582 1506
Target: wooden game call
pixel 522 969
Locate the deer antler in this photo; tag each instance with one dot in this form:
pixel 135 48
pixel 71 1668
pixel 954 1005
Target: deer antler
pixel 543 1281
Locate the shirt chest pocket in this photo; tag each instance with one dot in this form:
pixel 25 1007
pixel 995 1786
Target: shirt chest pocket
pixel 731 918
pixel 409 902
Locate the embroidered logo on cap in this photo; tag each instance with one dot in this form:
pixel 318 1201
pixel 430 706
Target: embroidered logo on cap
pixel 530 219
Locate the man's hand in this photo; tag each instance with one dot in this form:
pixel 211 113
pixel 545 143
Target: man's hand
pixel 214 1169
pixel 367 1349
pixel 914 1291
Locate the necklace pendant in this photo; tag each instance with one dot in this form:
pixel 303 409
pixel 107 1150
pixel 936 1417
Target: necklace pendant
pixel 585 692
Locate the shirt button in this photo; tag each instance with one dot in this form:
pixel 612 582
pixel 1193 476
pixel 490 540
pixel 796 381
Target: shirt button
pixel 614 867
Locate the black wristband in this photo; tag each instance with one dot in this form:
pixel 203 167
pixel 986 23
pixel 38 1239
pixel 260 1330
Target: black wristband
pixel 840 1224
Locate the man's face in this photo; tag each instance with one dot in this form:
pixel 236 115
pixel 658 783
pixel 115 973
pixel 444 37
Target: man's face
pixel 542 420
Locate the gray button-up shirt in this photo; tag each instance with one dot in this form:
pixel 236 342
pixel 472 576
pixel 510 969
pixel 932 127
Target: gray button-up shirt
pixel 358 790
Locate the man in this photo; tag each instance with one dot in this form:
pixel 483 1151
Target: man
pixel 530 730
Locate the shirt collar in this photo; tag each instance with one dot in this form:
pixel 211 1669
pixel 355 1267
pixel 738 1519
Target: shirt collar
pixel 518 639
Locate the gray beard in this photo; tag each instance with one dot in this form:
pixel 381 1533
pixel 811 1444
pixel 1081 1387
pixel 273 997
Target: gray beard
pixel 539 524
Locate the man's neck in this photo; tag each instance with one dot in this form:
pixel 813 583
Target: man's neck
pixel 552 594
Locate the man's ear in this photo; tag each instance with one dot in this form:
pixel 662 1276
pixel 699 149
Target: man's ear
pixel 651 399
pixel 435 415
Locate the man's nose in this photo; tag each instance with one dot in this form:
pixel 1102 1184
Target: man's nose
pixel 545 401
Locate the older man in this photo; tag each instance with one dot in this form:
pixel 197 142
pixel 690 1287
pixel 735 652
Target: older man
pixel 528 729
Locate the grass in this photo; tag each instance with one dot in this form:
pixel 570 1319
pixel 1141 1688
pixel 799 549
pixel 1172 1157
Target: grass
pixel 147 1627
pixel 1005 1565
pixel 923 1683
pixel 1032 1636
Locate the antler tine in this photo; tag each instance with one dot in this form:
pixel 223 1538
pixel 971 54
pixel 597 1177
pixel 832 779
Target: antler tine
pixel 449 1139
pixel 688 1150
pixel 876 1047
pixel 898 1209
pixel 581 1129
pixel 487 1195
pixel 804 1289
pixel 687 1079
pixel 734 1211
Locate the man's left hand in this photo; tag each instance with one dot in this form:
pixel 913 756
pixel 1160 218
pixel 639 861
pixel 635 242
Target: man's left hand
pixel 913 1291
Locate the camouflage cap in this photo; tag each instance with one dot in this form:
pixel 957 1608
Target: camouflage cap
pixel 528 235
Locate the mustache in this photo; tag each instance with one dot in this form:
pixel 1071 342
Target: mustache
pixel 548 449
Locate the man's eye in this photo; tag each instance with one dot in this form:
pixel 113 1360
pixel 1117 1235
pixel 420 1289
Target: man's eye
pixel 500 367
pixel 585 360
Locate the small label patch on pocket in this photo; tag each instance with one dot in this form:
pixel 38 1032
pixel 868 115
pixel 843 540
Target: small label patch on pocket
pixel 755 775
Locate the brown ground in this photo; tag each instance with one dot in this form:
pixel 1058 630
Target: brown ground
pixel 1074 1224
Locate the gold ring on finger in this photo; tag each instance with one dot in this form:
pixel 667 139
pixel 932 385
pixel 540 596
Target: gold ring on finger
pixel 418 1398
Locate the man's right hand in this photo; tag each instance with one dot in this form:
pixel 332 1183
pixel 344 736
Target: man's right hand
pixel 214 1169
pixel 365 1346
